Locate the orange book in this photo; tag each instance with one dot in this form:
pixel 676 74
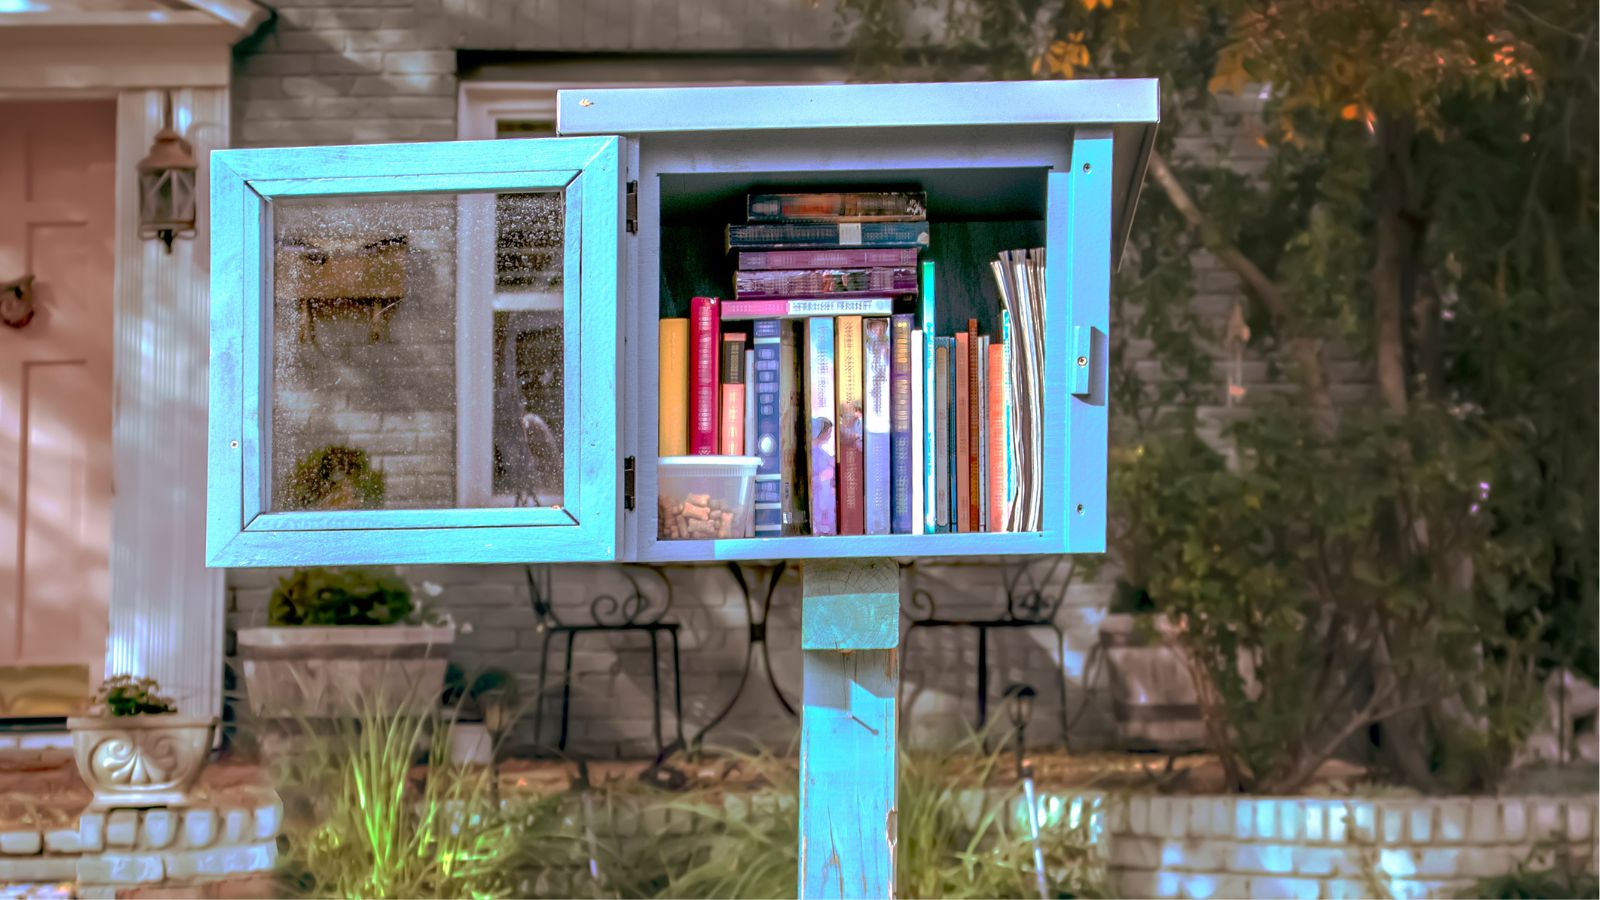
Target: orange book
pixel 962 469
pixel 674 385
pixel 997 438
pixel 731 420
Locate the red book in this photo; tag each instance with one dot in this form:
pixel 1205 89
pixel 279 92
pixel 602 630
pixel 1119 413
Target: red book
pixel 997 438
pixel 732 426
pixel 975 366
pixel 705 326
pixel 961 472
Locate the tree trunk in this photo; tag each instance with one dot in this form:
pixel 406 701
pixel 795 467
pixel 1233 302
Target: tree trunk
pixel 1395 243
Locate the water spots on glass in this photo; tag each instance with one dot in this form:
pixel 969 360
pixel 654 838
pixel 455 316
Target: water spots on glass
pixel 416 351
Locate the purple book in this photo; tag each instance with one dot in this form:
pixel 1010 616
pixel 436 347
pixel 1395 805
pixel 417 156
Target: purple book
pixel 824 490
pixel 784 283
pixel 763 385
pixel 900 463
pixel 825 259
pixel 878 475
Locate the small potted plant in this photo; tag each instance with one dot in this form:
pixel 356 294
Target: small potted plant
pixel 1153 696
pixel 340 640
pixel 480 708
pixel 135 750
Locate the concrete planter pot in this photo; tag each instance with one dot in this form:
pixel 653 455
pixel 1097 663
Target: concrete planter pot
pixel 141 761
pixel 322 672
pixel 1153 696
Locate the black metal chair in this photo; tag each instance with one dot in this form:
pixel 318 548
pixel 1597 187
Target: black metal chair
pixel 1028 606
pixel 635 613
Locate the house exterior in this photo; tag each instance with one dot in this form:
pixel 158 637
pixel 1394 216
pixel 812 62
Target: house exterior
pixel 305 72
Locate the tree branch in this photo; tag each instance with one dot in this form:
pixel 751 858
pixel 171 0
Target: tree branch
pixel 1305 352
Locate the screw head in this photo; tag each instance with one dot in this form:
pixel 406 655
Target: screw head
pixel 1080 509
pixel 233 444
pixel 1083 361
pixel 1086 168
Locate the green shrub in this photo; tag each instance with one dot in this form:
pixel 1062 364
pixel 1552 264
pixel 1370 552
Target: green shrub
pixel 360 822
pixel 125 695
pixel 339 596
pixel 334 477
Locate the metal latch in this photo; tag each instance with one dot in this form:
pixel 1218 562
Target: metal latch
pixel 632 219
pixel 1088 350
pixel 627 482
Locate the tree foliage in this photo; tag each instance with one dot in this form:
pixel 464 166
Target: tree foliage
pixel 1399 540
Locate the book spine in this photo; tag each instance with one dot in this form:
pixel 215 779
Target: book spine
pixel 940 413
pixel 762 384
pixel 919 449
pixel 749 402
pixel 704 346
pixel 821 403
pixel 877 470
pixel 925 418
pixel 823 283
pixel 950 423
pixel 848 383
pixel 901 501
pixel 962 398
pixel 974 426
pixel 762 260
pixel 793 426
pixel 1009 416
pixel 732 413
pixel 802 309
pixel 857 206
pixel 980 450
pixel 673 367
pixel 822 235
pixel 996 510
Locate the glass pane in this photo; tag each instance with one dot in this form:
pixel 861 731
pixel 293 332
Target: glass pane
pixel 527 242
pixel 397 381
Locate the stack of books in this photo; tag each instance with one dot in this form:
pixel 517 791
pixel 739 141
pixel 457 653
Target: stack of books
pixel 825 365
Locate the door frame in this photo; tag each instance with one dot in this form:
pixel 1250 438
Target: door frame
pixel 166 609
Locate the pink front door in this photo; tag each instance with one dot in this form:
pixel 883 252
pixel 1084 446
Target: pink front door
pixel 57 221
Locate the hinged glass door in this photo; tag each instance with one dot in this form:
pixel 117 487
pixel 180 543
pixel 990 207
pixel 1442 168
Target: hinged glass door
pixel 414 353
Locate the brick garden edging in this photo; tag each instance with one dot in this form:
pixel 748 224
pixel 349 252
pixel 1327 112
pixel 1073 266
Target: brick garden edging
pixel 1163 846
pixel 127 848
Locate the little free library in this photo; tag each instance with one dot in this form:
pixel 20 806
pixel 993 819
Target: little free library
pixel 843 325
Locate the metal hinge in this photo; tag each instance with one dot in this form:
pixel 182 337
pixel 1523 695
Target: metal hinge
pixel 627 482
pixel 632 219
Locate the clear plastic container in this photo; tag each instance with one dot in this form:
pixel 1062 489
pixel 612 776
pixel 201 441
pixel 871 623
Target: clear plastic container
pixel 702 497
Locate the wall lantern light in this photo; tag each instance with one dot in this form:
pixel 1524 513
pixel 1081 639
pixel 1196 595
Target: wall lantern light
pixel 166 185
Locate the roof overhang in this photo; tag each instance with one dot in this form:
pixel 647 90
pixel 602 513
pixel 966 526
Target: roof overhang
pixel 74 47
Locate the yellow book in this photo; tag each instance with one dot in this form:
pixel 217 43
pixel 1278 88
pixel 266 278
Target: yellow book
pixel 674 383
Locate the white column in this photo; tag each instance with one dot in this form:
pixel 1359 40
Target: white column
pixel 167 608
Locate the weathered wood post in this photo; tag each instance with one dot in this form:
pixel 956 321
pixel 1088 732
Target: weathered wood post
pixel 850 638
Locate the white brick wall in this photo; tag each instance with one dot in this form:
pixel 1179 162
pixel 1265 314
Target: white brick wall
pixel 1281 847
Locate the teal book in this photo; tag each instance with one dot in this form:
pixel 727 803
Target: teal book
pixel 925 321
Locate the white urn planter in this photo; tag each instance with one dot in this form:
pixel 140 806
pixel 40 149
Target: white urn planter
pixel 141 761
pixel 1153 696
pixel 342 670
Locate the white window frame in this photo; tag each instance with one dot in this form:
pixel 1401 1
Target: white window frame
pixel 481 106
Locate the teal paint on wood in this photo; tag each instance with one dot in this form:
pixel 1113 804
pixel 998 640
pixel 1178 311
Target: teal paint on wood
pixel 848 757
pixel 853 606
pixel 240 531
pixel 1080 261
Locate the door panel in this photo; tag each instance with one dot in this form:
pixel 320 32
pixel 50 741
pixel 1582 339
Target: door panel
pixel 57 191
pixel 415 353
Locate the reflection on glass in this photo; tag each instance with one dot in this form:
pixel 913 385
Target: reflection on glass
pixel 402 378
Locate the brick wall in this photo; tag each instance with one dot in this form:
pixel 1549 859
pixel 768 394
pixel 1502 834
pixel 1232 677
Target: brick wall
pixel 384 70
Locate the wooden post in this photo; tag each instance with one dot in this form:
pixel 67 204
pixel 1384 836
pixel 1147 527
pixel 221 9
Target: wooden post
pixel 850 637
